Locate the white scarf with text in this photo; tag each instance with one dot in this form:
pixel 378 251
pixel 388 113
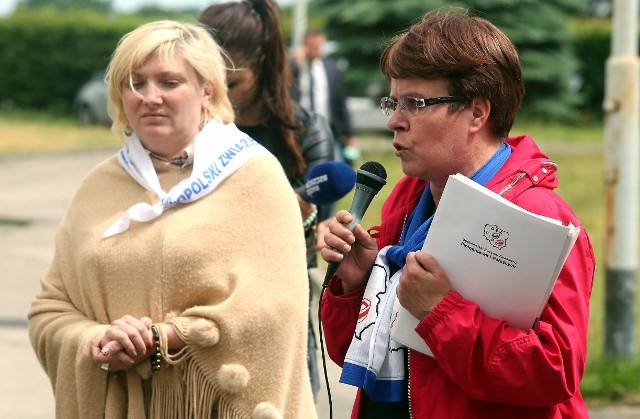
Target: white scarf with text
pixel 219 150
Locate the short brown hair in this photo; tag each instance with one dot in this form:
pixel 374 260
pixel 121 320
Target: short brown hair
pixel 473 56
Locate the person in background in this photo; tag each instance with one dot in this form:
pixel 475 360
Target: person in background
pixel 259 82
pixel 165 296
pixel 456 87
pixel 318 86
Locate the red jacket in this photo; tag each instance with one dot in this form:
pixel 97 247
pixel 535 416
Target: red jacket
pixel 483 368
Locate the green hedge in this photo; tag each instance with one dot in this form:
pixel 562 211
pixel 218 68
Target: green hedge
pixel 46 55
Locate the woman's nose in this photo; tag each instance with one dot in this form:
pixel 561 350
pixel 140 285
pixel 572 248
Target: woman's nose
pixel 152 95
pixel 397 121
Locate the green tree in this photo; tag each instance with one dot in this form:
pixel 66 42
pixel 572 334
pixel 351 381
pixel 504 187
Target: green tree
pixel 539 28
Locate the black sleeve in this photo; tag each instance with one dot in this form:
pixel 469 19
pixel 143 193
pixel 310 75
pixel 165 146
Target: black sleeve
pixel 316 143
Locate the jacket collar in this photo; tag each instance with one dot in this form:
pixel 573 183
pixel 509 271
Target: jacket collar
pixel 527 167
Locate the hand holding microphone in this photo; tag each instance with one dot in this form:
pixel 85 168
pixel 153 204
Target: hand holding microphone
pixel 344 237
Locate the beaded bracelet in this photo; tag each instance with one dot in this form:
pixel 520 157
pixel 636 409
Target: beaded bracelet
pixel 310 220
pixel 156 356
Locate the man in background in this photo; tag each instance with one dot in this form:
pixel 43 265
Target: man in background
pixel 318 87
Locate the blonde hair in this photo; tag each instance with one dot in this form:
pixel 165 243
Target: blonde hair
pixel 165 39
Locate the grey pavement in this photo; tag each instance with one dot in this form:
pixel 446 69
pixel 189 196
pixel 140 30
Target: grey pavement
pixel 36 191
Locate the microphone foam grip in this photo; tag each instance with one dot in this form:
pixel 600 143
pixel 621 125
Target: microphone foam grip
pixel 373 175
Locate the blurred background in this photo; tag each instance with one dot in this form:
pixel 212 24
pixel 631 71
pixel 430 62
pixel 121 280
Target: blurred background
pixel 50 47
pixel 52 100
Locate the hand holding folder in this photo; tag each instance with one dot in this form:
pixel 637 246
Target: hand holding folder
pixel 496 254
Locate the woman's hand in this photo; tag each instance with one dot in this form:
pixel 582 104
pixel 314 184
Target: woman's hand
pixel 356 251
pixel 423 284
pixel 322 229
pixel 124 344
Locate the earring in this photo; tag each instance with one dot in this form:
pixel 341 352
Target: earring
pixel 127 130
pixel 205 116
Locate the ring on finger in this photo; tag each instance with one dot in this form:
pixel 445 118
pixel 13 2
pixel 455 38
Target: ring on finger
pixel 105 366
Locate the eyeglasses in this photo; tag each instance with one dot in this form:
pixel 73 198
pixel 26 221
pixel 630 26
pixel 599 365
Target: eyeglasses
pixel 412 104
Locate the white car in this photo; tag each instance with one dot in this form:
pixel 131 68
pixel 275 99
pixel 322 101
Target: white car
pixel 366 114
pixel 90 103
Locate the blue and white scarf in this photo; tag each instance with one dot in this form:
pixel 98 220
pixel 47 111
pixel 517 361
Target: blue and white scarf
pixel 374 361
pixel 219 150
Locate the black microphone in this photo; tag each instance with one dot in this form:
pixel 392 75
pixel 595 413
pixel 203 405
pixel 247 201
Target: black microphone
pixel 370 178
pixel 329 181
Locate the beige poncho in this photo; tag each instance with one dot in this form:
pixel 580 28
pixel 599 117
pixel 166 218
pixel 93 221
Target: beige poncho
pixel 229 271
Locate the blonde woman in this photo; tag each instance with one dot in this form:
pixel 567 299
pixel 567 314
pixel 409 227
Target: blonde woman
pixel 165 297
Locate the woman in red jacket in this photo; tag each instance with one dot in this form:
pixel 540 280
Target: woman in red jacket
pixel 456 86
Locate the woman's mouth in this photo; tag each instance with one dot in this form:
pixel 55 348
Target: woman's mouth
pixel 400 150
pixel 153 116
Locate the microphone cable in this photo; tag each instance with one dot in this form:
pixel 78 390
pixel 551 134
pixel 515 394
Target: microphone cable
pixel 324 361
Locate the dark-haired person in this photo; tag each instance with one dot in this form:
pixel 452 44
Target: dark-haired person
pixel 259 81
pixel 161 300
pixel 456 87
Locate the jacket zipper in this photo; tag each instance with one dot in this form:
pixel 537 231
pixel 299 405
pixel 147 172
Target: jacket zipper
pixel 404 222
pixel 409 382
pixel 513 182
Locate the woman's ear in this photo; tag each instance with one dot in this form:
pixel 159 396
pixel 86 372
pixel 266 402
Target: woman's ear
pixel 480 110
pixel 207 93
